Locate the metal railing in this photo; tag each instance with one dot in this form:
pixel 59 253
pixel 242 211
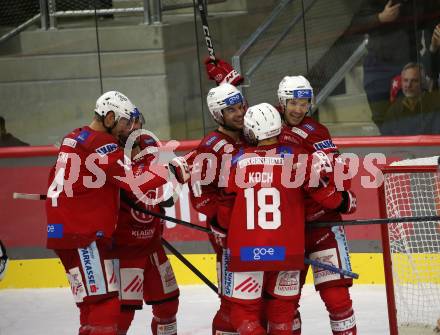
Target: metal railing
pixel 48 14
pixel 276 12
pixel 334 81
pixel 148 16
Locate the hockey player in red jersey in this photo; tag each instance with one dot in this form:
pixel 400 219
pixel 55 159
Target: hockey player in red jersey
pixel 262 210
pixel 295 96
pixel 227 107
pixel 145 271
pixel 82 207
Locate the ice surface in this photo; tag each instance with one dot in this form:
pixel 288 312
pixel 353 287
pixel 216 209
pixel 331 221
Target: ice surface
pixel 52 311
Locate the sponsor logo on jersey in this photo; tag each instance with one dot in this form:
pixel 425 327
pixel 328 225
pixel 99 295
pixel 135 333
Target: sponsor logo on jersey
pixel 228 278
pixel 135 285
pixel 167 277
pixel 145 234
pixel 342 247
pixel 300 94
pixel 219 145
pixel 69 142
pixel 299 132
pixel 328 257
pixel 210 140
pixel 287 283
pixel 168 329
pixel 263 253
pixel 76 284
pixel 82 136
pixel 92 268
pixel 237 156
pixel 309 127
pixel 326 144
pixel 106 149
pixel 284 150
pixel 260 161
pixel 55 230
pixel 89 270
pixel 235 99
pixel 248 285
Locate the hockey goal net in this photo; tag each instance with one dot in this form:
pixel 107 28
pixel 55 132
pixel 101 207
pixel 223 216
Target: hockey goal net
pixel 411 250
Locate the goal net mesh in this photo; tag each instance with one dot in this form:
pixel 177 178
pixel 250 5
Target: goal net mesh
pixel 414 247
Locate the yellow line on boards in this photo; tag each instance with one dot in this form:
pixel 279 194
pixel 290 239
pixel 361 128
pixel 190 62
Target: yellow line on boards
pixel 38 273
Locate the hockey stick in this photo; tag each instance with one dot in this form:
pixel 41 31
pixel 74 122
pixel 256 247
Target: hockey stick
pixel 28 196
pixel 331 268
pixel 373 221
pixel 208 40
pixel 308 261
pixel 193 226
pixel 190 266
pixel 403 219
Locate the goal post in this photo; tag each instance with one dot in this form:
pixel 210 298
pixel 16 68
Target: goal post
pixel 411 251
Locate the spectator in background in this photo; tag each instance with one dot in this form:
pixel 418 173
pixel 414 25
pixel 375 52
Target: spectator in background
pixel 435 59
pixel 399 32
pixel 7 139
pixel 417 111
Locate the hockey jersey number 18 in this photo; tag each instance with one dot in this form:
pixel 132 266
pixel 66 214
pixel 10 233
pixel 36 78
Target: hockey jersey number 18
pixel 263 208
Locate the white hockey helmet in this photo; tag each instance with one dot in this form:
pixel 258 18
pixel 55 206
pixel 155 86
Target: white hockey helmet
pixel 221 97
pixel 118 103
pixel 261 121
pixel 295 87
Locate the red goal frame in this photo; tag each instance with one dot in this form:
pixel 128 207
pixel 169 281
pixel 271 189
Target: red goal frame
pixel 387 262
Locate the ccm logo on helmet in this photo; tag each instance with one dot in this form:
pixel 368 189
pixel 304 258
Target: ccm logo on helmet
pixel 265 253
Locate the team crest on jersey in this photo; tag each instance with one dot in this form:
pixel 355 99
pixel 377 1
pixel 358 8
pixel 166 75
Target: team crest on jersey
pixel 309 127
pixel 326 144
pixel 82 136
pixel 107 148
pixel 143 218
pixel 210 140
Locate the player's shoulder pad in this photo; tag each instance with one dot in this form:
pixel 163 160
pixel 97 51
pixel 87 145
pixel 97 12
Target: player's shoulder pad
pixel 318 135
pixel 292 135
pixel 78 136
pixel 311 126
pixel 214 142
pixel 96 141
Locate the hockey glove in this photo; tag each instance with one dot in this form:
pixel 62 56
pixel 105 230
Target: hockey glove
pixel 222 72
pixel 348 204
pixel 179 167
